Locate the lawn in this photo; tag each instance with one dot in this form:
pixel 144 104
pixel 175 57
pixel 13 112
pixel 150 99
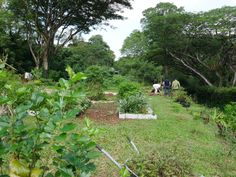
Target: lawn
pixel 175 130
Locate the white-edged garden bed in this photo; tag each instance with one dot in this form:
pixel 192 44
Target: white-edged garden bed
pixel 149 115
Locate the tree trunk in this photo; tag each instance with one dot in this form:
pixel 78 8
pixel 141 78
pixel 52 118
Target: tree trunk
pixel 166 71
pixel 36 59
pixel 220 79
pixel 45 63
pixel 193 70
pixel 234 80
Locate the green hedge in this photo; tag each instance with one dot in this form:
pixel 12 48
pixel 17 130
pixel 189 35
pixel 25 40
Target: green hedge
pixel 215 96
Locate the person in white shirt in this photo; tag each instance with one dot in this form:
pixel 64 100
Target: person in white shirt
pixel 156 88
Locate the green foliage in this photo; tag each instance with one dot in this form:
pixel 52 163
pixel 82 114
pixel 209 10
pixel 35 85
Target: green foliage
pixel 135 44
pixel 131 99
pixel 37 73
pixel 124 172
pixel 65 14
pixel 214 96
pixel 182 97
pixel 38 132
pixel 139 69
pixel 114 81
pixel 80 55
pixel 95 82
pixel 230 115
pixel 196 43
pixel 171 163
pixel 133 104
pixel 127 89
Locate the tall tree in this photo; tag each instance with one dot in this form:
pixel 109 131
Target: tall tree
pixel 53 21
pixel 201 44
pixel 135 44
pixel 80 55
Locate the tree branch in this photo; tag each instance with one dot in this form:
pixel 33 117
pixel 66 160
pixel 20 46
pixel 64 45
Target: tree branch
pixel 192 69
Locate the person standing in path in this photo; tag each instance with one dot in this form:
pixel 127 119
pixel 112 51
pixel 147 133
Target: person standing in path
pixel 175 85
pixel 166 85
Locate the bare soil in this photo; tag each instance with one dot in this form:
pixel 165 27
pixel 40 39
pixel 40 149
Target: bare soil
pixel 102 112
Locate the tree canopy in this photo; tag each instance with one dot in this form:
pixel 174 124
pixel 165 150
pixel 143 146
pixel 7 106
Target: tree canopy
pixel 56 22
pixel 201 44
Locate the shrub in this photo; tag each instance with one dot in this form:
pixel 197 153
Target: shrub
pixel 133 104
pixel 214 96
pixel 95 82
pixel 230 115
pixel 39 134
pixel 127 89
pixel 182 97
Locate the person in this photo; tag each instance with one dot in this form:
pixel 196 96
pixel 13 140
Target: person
pixel 175 85
pixel 166 86
pixel 156 88
pixel 28 76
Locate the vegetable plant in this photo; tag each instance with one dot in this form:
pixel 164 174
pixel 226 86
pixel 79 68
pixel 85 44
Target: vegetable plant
pixel 39 135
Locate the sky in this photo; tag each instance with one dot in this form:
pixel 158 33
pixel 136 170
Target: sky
pixel 115 36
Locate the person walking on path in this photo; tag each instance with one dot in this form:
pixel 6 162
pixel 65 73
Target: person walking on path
pixel 175 85
pixel 166 85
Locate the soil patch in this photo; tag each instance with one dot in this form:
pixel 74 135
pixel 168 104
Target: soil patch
pixel 102 112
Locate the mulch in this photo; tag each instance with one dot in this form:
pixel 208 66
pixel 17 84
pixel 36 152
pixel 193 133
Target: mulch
pixel 102 112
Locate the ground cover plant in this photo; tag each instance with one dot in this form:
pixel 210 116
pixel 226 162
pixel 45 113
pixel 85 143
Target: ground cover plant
pixel 38 135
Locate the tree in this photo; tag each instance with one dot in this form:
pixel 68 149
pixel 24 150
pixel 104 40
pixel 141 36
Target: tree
pixel 80 55
pixel 139 69
pixel 200 44
pixel 52 21
pixel 135 44
pixel 12 44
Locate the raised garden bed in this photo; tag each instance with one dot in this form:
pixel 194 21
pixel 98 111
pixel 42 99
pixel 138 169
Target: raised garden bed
pixel 149 115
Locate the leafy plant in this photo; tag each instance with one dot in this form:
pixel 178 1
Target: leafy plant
pixel 218 118
pixel 38 132
pixel 181 97
pixel 230 115
pixel 37 73
pixel 96 76
pixel 133 104
pixel 127 89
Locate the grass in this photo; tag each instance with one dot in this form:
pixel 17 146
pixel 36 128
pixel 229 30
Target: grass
pixel 174 129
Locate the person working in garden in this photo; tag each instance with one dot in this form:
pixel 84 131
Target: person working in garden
pixel 156 88
pixel 166 86
pixel 175 85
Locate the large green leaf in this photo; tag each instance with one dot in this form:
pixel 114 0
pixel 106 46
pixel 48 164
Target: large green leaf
pixel 93 154
pixel 72 113
pixel 61 137
pixel 68 127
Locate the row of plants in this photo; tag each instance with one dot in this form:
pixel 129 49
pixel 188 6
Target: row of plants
pixel 214 96
pixel 39 135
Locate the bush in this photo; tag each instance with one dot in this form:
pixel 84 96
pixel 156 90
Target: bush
pixel 115 81
pixel 39 134
pixel 163 165
pixel 230 115
pixel 133 104
pixel 127 89
pixel 95 82
pixel 182 97
pixel 214 96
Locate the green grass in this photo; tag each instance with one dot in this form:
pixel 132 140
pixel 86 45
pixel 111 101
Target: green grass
pixel 175 128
